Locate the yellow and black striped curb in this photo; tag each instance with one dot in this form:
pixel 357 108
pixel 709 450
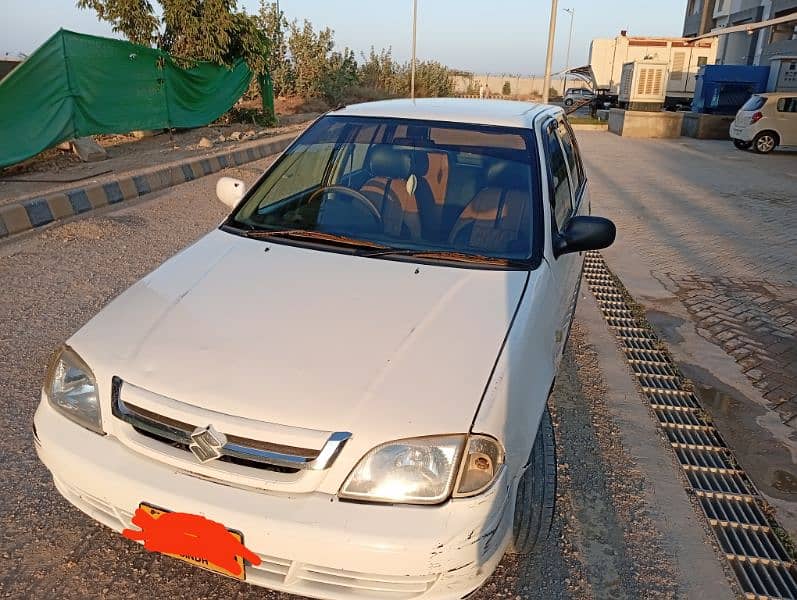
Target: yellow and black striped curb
pixel 38 212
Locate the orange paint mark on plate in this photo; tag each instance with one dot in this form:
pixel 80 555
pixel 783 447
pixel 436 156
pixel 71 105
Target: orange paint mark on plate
pixel 191 538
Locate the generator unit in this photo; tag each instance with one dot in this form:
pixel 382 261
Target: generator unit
pixel 723 89
pixel 684 56
pixel 643 85
pixel 782 74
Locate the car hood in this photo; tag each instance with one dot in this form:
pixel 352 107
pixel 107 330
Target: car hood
pixel 307 338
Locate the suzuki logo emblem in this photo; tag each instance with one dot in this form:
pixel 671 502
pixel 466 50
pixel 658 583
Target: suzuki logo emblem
pixel 206 443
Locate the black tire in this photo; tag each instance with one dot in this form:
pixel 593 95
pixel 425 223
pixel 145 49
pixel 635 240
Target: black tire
pixel 536 493
pixel 765 142
pixel 569 102
pixel 742 145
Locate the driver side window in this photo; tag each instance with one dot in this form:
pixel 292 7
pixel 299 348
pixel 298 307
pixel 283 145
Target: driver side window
pixel 561 194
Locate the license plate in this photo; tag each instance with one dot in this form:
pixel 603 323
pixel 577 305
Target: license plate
pixel 195 553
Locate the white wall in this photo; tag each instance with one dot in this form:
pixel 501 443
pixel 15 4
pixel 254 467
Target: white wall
pixel 519 86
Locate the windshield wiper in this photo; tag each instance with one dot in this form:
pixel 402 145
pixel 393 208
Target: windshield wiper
pixel 438 254
pixel 309 234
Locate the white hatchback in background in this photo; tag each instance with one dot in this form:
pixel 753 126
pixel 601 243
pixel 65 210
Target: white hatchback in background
pixel 352 371
pixel 574 95
pixel 765 122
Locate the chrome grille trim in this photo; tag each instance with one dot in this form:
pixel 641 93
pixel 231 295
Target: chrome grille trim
pixel 250 450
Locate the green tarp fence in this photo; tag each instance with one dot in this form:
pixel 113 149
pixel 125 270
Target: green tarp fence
pixel 76 85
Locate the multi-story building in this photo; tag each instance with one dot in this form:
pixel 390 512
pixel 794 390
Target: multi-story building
pixel 744 47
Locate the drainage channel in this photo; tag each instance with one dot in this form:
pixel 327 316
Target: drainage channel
pixel 730 501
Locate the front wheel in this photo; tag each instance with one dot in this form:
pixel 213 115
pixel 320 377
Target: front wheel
pixel 741 144
pixel 765 142
pixel 569 102
pixel 536 493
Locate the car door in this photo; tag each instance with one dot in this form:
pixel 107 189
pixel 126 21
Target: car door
pixel 786 124
pixel 580 206
pixel 562 192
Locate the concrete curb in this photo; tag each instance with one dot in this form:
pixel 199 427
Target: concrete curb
pixel 40 211
pixel 590 126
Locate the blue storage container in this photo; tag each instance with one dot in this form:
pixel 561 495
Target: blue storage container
pixel 722 89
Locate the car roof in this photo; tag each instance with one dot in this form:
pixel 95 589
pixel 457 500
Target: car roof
pixel 477 111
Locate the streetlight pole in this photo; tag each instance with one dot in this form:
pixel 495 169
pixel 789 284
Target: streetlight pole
pixel 546 83
pixel 572 13
pixel 414 30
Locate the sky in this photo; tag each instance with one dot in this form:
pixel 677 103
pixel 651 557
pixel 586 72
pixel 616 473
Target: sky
pixel 484 36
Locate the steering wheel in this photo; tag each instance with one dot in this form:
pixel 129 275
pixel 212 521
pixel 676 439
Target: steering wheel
pixel 352 193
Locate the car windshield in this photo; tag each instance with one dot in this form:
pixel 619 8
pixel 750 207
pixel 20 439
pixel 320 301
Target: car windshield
pixel 754 103
pixel 401 185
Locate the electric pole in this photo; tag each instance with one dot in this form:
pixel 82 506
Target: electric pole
pixel 414 30
pixel 546 85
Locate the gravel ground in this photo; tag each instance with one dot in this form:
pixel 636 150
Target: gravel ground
pixel 602 544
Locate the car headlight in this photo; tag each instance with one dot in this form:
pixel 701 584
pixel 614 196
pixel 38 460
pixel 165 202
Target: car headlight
pixel 72 390
pixel 424 470
pixel 415 471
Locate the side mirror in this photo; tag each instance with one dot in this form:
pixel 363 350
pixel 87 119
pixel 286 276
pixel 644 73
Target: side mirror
pixel 230 190
pixel 584 233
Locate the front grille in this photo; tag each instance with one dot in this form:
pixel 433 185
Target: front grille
pixel 257 454
pixel 223 458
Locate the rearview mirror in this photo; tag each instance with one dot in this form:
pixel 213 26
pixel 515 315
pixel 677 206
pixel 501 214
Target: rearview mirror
pixel 230 190
pixel 584 233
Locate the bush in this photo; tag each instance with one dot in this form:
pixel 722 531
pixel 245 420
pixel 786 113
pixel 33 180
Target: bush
pixel 507 89
pixel 255 116
pixel 304 62
pixel 432 80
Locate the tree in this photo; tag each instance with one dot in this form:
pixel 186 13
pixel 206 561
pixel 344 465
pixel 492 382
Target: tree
pixel 432 79
pixel 507 89
pixel 192 30
pixel 134 19
pixel 341 76
pixel 309 54
pixel 379 71
pixel 274 25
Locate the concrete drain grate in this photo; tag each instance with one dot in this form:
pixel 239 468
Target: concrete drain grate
pixel 730 501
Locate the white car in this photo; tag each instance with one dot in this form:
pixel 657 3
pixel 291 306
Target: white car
pixel 578 95
pixel 350 374
pixel 765 122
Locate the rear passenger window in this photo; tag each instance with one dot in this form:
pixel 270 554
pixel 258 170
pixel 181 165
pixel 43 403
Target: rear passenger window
pixel 787 105
pixel 562 204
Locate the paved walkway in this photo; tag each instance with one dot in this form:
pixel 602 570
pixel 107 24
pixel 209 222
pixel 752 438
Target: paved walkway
pixel 718 228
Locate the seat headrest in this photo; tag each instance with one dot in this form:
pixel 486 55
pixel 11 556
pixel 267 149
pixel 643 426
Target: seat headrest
pixel 508 175
pixel 389 162
pixel 420 163
pixel 386 161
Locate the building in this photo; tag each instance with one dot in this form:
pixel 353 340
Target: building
pixel 754 47
pixel 8 64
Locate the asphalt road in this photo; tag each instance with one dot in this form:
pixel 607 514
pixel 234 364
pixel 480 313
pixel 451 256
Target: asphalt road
pixel 54 280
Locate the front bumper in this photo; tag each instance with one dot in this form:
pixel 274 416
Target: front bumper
pixel 311 544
